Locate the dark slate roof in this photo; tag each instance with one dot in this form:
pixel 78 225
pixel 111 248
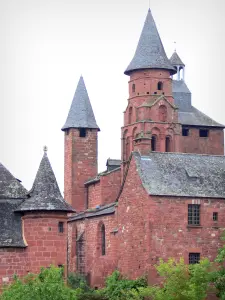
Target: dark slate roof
pixel 100 211
pixel 81 114
pixel 10 224
pixel 10 187
pixel 150 53
pixel 176 174
pixel 113 162
pixel 188 114
pixel 175 60
pixel 45 194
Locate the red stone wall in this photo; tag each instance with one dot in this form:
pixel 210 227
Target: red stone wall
pixel 214 144
pixel 46 245
pixel 156 227
pixel 106 190
pixel 98 266
pixel 12 261
pixel 80 165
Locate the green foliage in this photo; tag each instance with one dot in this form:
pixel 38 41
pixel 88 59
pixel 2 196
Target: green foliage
pixel 118 287
pixel 48 285
pixel 218 276
pixel 77 281
pixel 181 281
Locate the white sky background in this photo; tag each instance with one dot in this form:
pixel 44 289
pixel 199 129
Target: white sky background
pixel 46 44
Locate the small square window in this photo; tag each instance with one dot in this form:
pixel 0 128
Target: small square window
pixel 185 132
pixel 215 216
pixel 194 258
pixel 82 132
pixel 61 227
pixel 193 214
pixel 203 133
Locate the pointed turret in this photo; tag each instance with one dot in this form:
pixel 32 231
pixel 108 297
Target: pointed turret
pixel 150 53
pixel 45 194
pixel 81 114
pixel 176 61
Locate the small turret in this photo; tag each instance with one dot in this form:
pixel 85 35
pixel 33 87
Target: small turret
pixel 178 65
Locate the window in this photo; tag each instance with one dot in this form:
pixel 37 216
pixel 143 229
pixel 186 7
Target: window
pixel 215 216
pixel 153 143
pixel 167 144
pixel 130 115
pixel 133 88
pixel 160 85
pixel 193 214
pixel 82 132
pixel 203 133
pixel 185 131
pixel 194 258
pixel 61 227
pixel 162 113
pixel 103 239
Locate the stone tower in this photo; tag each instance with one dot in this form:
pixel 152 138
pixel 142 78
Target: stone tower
pixel 81 142
pixel 151 117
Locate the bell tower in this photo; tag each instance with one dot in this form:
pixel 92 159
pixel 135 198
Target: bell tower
pixel 151 117
pixel 81 148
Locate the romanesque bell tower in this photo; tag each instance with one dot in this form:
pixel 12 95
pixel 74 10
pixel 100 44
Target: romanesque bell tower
pixel 151 117
pixel 81 141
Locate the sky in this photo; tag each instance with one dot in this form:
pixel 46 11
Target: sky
pixel 45 45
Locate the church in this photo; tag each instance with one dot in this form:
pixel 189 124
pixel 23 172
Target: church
pixel 165 196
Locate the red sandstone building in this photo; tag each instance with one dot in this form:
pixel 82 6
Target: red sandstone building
pixel 164 198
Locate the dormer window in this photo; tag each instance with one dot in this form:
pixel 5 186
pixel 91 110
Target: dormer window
pixel 160 85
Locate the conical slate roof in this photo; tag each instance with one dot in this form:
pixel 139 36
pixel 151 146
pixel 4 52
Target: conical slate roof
pixel 45 194
pixel 10 187
pixel 150 53
pixel 81 113
pixel 175 60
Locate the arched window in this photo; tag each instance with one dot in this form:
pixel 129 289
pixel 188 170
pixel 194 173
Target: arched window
pixel 103 239
pixel 133 88
pixel 130 115
pixel 153 143
pixel 160 86
pixel 168 144
pixel 162 113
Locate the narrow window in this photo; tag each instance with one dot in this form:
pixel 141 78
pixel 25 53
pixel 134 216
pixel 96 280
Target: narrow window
pixel 162 113
pixel 153 143
pixel 160 85
pixel 103 238
pixel 193 214
pixel 215 216
pixel 82 132
pixel 185 131
pixel 194 258
pixel 130 115
pixel 167 144
pixel 61 227
pixel 133 88
pixel 203 133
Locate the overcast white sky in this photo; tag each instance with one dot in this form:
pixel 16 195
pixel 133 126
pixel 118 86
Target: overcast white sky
pixel 45 45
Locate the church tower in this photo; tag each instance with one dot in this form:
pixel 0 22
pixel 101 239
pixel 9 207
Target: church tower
pixel 151 117
pixel 81 141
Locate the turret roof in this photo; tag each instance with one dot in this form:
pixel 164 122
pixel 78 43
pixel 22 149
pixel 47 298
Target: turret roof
pixel 175 60
pixel 81 114
pixel 45 194
pixel 150 53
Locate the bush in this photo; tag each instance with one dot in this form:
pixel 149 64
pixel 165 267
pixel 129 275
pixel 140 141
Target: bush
pixel 77 281
pixel 48 285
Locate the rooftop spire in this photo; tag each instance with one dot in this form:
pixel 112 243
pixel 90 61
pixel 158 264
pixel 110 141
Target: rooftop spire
pixel 175 60
pixel 81 114
pixel 45 194
pixel 150 53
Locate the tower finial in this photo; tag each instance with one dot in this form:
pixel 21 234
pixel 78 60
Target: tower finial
pixel 175 43
pixel 45 149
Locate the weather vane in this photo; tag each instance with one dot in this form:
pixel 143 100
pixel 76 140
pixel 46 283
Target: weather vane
pixel 45 148
pixel 175 46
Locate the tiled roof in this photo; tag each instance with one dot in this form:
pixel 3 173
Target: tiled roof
pixel 45 194
pixel 81 114
pixel 150 53
pixel 176 61
pixel 176 174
